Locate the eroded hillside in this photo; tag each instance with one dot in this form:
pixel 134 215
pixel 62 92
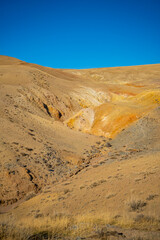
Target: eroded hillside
pixel 71 139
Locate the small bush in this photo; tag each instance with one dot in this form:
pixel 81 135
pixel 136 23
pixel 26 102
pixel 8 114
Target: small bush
pixel 151 197
pixel 136 205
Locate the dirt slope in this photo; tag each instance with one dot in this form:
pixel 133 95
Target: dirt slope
pixel 79 142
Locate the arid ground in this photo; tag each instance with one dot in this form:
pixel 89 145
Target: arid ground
pixel 79 152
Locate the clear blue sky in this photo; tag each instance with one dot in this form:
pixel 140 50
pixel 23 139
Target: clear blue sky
pixel 81 33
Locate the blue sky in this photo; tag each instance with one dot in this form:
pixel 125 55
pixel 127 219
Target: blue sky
pixel 81 33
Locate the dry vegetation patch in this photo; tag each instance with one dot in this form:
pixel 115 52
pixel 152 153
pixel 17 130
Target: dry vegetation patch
pixel 71 227
pixel 136 205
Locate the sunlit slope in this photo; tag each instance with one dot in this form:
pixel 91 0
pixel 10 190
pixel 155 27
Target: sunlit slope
pixel 110 118
pixel 43 111
pixel 97 101
pixel 109 187
pixel 123 96
pixel 78 142
pixel 142 134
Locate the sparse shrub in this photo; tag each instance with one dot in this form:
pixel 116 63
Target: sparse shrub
pixel 41 235
pixel 142 218
pixel 39 215
pixel 95 184
pixel 66 191
pixel 151 197
pixel 110 195
pixel 136 205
